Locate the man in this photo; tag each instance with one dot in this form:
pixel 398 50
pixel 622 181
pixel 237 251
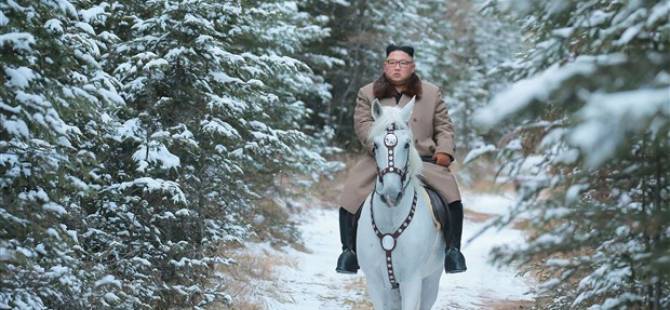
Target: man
pixel 433 138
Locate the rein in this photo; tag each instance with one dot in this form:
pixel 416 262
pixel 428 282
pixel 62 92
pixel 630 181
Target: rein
pixel 388 241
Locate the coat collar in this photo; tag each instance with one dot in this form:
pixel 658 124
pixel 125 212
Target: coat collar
pixel 383 89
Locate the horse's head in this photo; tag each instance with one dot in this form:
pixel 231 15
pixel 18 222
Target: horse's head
pixel 397 159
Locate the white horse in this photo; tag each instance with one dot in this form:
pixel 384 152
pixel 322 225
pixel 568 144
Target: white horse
pixel 399 248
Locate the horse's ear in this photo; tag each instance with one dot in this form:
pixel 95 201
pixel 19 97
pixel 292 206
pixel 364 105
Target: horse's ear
pixel 376 109
pixel 406 112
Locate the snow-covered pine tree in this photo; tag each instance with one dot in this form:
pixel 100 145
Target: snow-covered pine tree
pixel 592 111
pixel 52 94
pixel 281 138
pixel 325 57
pixel 212 111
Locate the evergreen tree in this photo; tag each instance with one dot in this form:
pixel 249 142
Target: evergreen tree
pixel 592 110
pixel 122 200
pixel 53 91
pixel 212 114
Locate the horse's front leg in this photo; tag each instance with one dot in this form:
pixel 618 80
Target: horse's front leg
pixel 377 292
pixel 410 293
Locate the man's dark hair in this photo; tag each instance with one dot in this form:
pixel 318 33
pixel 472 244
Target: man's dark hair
pixel 407 49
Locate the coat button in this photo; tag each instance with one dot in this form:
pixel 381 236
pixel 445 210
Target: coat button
pixel 414 119
pixel 416 140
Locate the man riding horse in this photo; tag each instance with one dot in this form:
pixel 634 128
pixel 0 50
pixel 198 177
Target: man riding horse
pixel 433 138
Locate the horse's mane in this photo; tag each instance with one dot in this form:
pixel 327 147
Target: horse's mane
pixel 391 115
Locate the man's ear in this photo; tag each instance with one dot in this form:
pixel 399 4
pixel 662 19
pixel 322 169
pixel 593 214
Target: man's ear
pixel 376 109
pixel 406 112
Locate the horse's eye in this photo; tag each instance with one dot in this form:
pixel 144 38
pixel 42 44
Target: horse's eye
pixel 374 146
pixel 407 145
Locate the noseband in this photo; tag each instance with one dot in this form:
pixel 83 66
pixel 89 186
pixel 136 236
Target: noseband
pixel 391 141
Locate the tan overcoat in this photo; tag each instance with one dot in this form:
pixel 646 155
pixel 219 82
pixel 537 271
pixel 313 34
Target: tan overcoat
pixel 432 130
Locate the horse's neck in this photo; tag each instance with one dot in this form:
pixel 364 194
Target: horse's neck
pixel 389 218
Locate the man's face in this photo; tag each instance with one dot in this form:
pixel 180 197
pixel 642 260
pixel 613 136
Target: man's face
pixel 398 66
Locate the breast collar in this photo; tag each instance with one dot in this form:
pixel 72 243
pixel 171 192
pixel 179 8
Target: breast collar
pixel 388 241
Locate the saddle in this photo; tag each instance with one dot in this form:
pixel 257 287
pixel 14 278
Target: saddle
pixel 439 207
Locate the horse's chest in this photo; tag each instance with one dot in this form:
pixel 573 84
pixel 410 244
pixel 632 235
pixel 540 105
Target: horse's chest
pixel 410 254
pixel 412 249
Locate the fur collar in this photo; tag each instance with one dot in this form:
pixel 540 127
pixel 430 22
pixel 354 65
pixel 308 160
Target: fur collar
pixel 382 88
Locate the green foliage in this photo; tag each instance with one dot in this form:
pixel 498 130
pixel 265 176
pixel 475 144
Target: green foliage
pixel 591 114
pixel 137 136
pixel 53 90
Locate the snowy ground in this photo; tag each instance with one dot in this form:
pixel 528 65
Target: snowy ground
pixel 309 280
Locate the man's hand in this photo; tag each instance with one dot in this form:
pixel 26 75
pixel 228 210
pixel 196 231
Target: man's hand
pixel 442 159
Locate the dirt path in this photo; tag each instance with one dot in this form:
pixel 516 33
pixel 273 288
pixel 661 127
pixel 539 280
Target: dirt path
pixel 306 279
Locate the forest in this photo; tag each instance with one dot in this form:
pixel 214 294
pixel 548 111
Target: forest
pixel 139 138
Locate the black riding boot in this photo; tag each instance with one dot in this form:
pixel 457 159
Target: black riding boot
pixel 451 220
pixel 454 260
pixel 347 262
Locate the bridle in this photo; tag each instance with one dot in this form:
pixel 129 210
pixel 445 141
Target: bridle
pixel 391 141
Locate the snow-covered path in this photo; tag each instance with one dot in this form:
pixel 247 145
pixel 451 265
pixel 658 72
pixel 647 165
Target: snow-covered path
pixel 310 281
